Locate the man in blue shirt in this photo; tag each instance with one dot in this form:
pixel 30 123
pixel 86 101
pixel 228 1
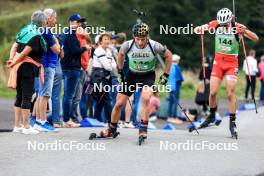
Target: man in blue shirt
pixel 49 61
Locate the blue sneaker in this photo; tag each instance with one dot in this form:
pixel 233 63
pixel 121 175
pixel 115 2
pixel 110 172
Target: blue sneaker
pixel 38 126
pixel 49 128
pixel 46 127
pixel 32 121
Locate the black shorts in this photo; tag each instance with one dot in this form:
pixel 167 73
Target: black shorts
pixel 136 80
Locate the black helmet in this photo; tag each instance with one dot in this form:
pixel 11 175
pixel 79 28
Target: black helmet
pixel 140 30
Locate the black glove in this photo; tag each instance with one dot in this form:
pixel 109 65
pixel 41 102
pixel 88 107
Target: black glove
pixel 122 77
pixel 164 79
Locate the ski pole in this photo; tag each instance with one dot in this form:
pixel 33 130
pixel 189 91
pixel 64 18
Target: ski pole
pixel 163 68
pixel 203 61
pixel 188 118
pixel 185 114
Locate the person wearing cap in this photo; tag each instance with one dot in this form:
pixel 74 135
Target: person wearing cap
pixel 175 81
pixel 84 39
pixel 71 66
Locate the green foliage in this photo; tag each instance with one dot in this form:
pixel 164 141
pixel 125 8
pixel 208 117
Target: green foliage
pixel 118 15
pixel 7 93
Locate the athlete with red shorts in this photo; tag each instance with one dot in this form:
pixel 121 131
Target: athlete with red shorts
pixel 227 38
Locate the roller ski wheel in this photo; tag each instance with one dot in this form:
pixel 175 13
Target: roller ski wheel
pixel 141 139
pixel 233 130
pixel 191 129
pixel 143 131
pixel 92 136
pixel 104 134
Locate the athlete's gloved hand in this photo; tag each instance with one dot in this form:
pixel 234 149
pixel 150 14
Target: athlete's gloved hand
pixel 164 79
pixel 122 77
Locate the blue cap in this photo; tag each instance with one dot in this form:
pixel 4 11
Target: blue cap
pixel 114 36
pixel 76 17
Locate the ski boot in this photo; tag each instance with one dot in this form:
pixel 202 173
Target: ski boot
pixel 208 120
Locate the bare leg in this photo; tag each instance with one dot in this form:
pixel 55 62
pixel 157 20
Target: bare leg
pixel 26 114
pixel 43 101
pixel 215 83
pixel 145 101
pixel 214 87
pixel 36 109
pixel 230 88
pixel 128 110
pixel 121 100
pixel 18 116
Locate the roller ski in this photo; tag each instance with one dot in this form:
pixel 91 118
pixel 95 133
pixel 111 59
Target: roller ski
pixel 143 130
pixel 105 134
pixel 142 137
pixel 233 129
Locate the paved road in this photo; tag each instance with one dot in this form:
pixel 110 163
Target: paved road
pixel 164 153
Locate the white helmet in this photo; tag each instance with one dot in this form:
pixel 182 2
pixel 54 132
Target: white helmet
pixel 224 16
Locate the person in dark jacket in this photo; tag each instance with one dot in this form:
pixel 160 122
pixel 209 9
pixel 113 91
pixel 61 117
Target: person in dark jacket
pixel 71 66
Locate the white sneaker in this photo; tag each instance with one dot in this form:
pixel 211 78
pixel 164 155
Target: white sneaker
pixel 152 118
pixel 121 124
pixel 30 130
pixel 128 125
pixel 37 126
pixel 18 129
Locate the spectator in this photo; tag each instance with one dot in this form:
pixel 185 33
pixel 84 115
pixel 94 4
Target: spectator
pixel 83 38
pixel 25 59
pixel 71 66
pixel 86 103
pixel 202 93
pixel 117 41
pixel 101 75
pixel 54 117
pixel 49 60
pixel 253 70
pixel 175 81
pixel 114 73
pixel 261 77
pixel 155 105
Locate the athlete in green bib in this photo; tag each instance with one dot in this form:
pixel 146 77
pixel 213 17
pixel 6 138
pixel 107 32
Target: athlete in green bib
pixel 227 38
pixel 141 53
